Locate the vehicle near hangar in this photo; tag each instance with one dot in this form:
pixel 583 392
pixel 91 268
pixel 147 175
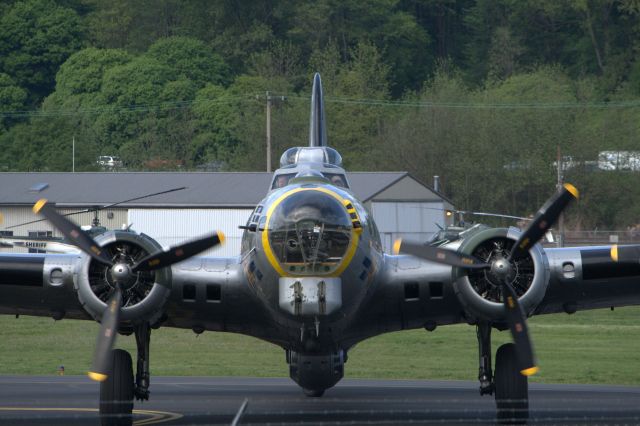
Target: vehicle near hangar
pixel 109 161
pixel 619 160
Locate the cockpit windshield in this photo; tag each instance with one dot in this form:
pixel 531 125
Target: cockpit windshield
pixel 336 179
pixel 309 233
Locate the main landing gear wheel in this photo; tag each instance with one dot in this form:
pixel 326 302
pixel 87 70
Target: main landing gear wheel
pixel 313 393
pixel 116 392
pixel 511 387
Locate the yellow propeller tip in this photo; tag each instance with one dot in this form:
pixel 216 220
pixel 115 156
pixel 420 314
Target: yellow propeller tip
pixel 221 237
pixel 614 253
pixel 39 205
pixel 573 190
pixel 97 376
pixel 530 371
pixel 396 246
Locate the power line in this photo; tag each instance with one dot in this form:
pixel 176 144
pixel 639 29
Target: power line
pixel 177 105
pixel 164 106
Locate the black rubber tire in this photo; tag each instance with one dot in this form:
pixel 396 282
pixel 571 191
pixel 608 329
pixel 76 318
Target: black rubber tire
pixel 512 388
pixel 313 393
pixel 116 392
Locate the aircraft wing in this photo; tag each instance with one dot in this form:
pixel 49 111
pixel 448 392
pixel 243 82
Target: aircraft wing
pixel 201 293
pixel 39 284
pixel 413 293
pixel 590 278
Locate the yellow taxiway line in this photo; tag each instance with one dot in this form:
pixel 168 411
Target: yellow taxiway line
pixel 155 416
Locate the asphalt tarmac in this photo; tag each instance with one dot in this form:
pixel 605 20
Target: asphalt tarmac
pixel 72 400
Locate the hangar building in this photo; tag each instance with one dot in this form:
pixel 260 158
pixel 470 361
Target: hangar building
pixel 400 205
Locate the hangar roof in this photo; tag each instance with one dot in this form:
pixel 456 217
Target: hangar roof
pixel 204 189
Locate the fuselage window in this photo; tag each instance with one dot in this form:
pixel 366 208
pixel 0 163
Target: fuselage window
pixel 282 180
pixel 336 179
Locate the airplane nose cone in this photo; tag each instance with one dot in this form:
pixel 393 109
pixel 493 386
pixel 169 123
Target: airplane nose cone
pixel 309 232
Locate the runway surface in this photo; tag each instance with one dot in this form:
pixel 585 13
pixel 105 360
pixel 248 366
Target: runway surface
pixel 71 400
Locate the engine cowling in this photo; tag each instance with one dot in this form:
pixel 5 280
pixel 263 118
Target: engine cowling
pixel 479 291
pixel 143 299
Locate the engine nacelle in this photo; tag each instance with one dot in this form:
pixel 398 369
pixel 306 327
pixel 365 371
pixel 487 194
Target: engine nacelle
pixel 144 299
pixel 478 290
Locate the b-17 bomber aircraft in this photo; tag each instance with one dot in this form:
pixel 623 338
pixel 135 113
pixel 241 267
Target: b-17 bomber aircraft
pixel 313 279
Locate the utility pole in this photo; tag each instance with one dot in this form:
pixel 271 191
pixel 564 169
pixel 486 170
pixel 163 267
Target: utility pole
pixel 268 133
pixel 271 101
pixel 73 154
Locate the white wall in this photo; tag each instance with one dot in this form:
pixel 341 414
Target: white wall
pixel 402 219
pixel 173 226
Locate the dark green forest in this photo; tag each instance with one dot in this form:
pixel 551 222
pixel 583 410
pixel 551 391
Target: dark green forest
pixel 483 93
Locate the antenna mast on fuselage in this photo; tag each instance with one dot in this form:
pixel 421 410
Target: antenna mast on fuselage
pixel 317 124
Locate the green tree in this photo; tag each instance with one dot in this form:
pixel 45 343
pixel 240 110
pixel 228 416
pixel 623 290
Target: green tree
pixel 80 78
pixel 231 123
pixel 12 99
pixel 36 37
pixel 191 58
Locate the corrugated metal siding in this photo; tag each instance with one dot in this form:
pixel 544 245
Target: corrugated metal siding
pixel 412 220
pixel 173 226
pixel 17 215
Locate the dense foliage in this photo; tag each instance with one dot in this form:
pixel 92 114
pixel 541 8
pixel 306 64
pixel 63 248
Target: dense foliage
pixel 483 93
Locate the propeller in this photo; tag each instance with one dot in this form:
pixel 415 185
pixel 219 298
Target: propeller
pixel 76 236
pixel 122 274
pixel 178 253
pixel 503 270
pixel 544 219
pixel 439 255
pixel 106 337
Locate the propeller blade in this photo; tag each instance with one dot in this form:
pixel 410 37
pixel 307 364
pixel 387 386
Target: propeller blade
pixel 438 255
pixel 106 338
pixel 518 326
pixel 72 232
pixel 178 253
pixel 545 218
pixel 625 254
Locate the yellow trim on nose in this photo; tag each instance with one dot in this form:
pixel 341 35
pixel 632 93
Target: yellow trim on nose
pixel 39 205
pixel 268 251
pixel 614 253
pixel 530 371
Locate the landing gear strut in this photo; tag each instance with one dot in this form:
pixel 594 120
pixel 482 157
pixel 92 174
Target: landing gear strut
pixel 485 375
pixel 143 337
pixel 512 387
